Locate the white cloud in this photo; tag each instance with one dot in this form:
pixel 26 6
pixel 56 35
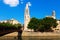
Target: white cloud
pixel 11 3
pixel 29 3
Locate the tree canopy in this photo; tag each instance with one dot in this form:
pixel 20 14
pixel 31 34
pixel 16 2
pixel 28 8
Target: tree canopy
pixel 33 23
pixel 9 26
pixel 45 24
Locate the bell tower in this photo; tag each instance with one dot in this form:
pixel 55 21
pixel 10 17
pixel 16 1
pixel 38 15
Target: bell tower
pixel 26 17
pixel 53 14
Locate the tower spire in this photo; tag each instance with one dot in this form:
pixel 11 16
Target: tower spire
pixel 53 14
pixel 26 17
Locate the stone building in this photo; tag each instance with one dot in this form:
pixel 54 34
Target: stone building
pixel 11 21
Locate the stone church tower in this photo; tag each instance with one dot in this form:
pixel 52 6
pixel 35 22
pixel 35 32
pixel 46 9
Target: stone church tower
pixel 26 17
pixel 53 14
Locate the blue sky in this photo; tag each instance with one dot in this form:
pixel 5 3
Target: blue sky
pixel 38 9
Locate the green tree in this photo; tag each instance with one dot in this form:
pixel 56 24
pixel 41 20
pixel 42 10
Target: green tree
pixel 47 24
pixel 8 26
pixel 33 24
